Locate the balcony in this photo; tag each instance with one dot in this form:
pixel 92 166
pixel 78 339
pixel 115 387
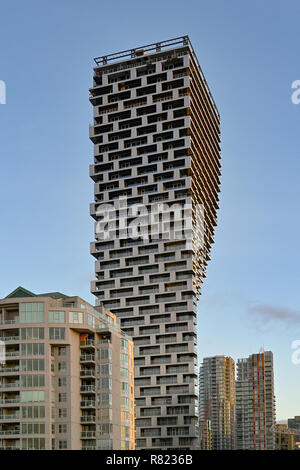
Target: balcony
pixel 9 322
pixel 11 417
pixel 88 343
pixel 10 432
pixel 10 338
pixel 4 402
pixel 88 434
pixel 88 404
pixel 9 385
pixel 87 373
pixel 87 389
pixel 87 358
pixel 88 419
pixel 7 370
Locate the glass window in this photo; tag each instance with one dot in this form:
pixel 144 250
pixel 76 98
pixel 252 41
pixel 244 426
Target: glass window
pixel 57 333
pixel 32 312
pixel 32 395
pixel 56 316
pixel 76 317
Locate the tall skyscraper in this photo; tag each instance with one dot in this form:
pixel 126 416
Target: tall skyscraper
pixel 217 400
pixel 255 402
pixel 67 377
pixel 156 134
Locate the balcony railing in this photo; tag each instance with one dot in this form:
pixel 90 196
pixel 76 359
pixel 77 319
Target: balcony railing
pixel 10 338
pixel 12 417
pixel 9 322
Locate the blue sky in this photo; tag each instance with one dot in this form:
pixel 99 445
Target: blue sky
pixel 249 54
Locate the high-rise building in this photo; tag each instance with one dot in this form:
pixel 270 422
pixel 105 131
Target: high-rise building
pixel 156 136
pixel 294 427
pixel 67 377
pixel 217 400
pixel 255 402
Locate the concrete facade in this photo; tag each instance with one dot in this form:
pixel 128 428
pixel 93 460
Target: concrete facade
pixel 156 134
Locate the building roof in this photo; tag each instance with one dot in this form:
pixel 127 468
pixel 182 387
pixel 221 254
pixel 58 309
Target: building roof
pixel 21 292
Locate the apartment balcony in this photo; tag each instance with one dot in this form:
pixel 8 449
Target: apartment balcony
pixel 88 435
pixel 9 432
pixel 10 338
pixel 88 389
pixel 4 402
pixel 87 358
pixel 90 343
pixel 9 370
pixel 88 373
pixel 10 417
pixel 12 354
pixel 9 385
pixel 9 322
pixel 88 419
pixel 88 404
pixel 9 448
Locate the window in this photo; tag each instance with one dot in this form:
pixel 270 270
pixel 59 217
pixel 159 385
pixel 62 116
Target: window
pixel 32 395
pixel 124 359
pixel 125 403
pixel 33 380
pixel 105 399
pixel 62 412
pixel 105 428
pixel 33 428
pixel 62 397
pixel 33 444
pixel 104 369
pixel 28 365
pixel 32 349
pixel 32 333
pixel 33 412
pixel 62 351
pixel 62 381
pixel 104 383
pixel 57 333
pixel 62 444
pixel 76 317
pixel 62 366
pixel 62 428
pixel 91 321
pixel 56 316
pixel 32 312
pixel 104 354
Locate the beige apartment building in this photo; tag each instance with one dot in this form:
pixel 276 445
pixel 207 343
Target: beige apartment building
pixel 217 401
pixel 156 134
pixel 67 381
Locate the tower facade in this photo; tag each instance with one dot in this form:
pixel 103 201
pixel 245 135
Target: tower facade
pixel 156 169
pixel 217 400
pixel 255 402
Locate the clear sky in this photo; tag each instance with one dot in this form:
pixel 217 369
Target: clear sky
pixel 249 52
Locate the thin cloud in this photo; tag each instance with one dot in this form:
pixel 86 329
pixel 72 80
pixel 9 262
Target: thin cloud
pixel 268 313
